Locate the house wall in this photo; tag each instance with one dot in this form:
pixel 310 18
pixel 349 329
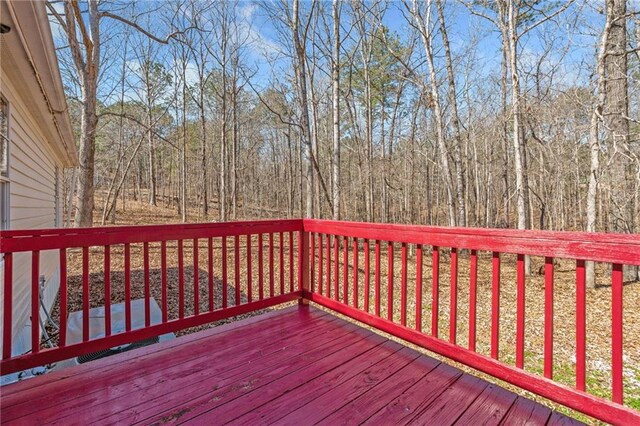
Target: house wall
pixel 34 173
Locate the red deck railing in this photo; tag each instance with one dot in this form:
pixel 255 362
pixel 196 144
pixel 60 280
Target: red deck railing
pixel 344 266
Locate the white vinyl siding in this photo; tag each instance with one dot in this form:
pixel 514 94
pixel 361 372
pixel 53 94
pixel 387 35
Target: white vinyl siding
pixel 32 204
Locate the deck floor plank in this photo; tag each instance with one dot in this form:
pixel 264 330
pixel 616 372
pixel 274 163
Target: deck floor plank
pixel 298 365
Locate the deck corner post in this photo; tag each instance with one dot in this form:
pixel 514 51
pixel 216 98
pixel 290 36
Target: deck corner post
pixel 303 267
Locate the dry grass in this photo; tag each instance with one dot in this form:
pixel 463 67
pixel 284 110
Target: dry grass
pixel 598 300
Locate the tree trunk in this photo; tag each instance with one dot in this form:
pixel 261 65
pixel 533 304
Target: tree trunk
pixel 335 75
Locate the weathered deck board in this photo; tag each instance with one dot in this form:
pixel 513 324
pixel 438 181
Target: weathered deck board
pixel 299 365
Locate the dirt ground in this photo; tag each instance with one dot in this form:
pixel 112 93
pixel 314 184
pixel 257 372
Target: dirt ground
pixel 598 299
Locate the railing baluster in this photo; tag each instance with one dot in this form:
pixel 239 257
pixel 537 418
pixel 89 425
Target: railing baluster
pixel 180 280
pixel 8 305
pixel 85 294
pixel 581 329
pixel 260 268
pixel 378 279
pixel 453 298
pixel 473 287
pixel 281 263
pixel 107 290
pixel 291 261
pixel 435 291
pixel 249 270
pixel 271 277
pixel 62 340
pixel 163 272
pixel 35 301
pixel 236 268
pixel 147 287
pixel 403 284
pixel 320 264
pixel 520 311
pixel 354 244
pixel 127 287
pixel 225 284
pixel 419 287
pixel 548 317
pixel 210 282
pixel 390 281
pixel 616 333
pixel 336 266
pixel 196 278
pixel 328 278
pixel 495 305
pixel 312 261
pixel 345 270
pixel 367 275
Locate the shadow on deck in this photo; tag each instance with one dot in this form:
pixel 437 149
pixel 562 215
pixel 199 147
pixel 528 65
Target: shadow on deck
pixel 295 366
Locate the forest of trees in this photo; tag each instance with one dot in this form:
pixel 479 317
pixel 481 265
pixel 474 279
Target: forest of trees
pixel 507 113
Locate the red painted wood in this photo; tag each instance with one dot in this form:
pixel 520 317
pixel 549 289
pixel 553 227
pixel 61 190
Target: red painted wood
pixel 320 265
pixel 54 239
pixel 127 287
pixel 336 266
pixel 312 261
pixel 453 298
pixel 196 278
pixel 581 329
pixel 345 270
pixel 318 408
pixel 390 273
pixel 419 287
pixel 163 272
pixel 403 285
pixel 35 301
pixel 291 285
pixel 62 339
pixel 367 275
pixel 384 394
pixel 616 332
pixel 303 261
pixel 435 291
pixel 181 279
pixel 236 268
pixel 249 270
pixel 328 273
pixel 520 299
pixel 354 243
pixel 591 405
pixel 490 407
pixel 277 408
pixel 430 384
pixel 282 270
pixel 525 412
pixel 147 286
pixel 225 282
pixel 271 267
pixel 473 288
pixel 576 245
pixel 8 305
pixel 452 403
pixel 170 361
pixel 378 279
pixel 495 305
pixel 49 356
pixel 260 268
pixel 85 294
pixel 107 290
pixel 210 274
pixel 548 317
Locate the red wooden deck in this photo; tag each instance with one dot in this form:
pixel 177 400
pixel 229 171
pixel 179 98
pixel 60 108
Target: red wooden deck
pixel 295 366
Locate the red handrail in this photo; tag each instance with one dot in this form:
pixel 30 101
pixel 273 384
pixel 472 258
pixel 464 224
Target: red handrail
pixel 617 249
